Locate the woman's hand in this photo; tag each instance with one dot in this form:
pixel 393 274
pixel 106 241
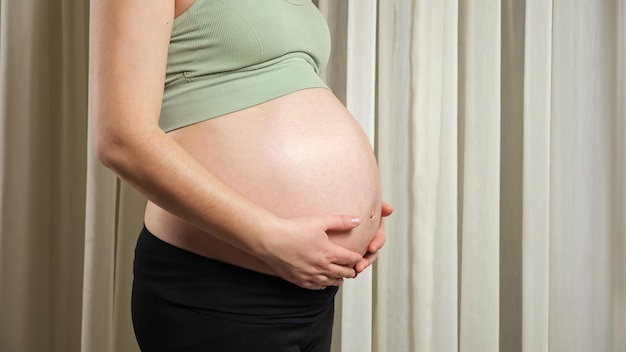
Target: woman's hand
pixel 300 251
pixel 377 242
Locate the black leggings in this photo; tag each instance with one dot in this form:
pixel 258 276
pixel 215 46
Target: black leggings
pixel 186 302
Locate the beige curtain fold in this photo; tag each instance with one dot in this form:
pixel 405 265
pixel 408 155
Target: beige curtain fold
pixel 538 227
pixel 619 206
pixel 113 221
pixel 43 72
pixel 479 229
pixel 536 175
pixel 500 131
pixel 583 182
pixel 416 304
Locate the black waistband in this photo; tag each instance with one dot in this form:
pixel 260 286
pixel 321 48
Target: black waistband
pixel 189 280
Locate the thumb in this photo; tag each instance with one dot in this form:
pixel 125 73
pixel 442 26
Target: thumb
pixel 342 222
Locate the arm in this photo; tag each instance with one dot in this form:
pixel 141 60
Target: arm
pixel 128 54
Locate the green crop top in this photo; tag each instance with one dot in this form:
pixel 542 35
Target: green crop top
pixel 228 55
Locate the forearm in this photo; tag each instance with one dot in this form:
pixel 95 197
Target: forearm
pixel 168 176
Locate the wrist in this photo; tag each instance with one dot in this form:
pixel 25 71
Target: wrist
pixel 267 234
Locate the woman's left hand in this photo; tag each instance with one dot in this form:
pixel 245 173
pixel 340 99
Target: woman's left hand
pixel 377 242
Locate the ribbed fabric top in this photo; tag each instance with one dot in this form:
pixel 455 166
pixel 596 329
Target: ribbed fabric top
pixel 228 55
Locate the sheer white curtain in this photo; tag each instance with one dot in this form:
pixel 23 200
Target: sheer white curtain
pixel 500 137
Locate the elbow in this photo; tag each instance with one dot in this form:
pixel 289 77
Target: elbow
pixel 109 152
pixel 121 151
pixel 119 147
pixel 107 142
pixel 112 147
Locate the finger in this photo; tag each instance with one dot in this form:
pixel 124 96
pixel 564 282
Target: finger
pixel 342 222
pixel 379 238
pixel 334 282
pixel 341 271
pixel 344 257
pixel 319 286
pixel 321 281
pixel 316 286
pixel 386 209
pixel 368 260
pixel 337 282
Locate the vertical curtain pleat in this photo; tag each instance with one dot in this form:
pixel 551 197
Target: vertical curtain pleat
pixel 43 76
pixel 536 175
pixel 25 256
pixel 583 116
pixel 511 174
pixel 619 219
pixel 392 319
pixel 100 228
pixel 131 206
pixel 114 218
pixel 433 181
pixel 480 230
pixel 68 139
pixel 335 74
pixel 417 153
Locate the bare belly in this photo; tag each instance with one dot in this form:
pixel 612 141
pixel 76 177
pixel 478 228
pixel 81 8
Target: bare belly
pixel 301 154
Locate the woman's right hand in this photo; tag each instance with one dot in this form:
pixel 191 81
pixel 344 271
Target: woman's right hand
pixel 300 251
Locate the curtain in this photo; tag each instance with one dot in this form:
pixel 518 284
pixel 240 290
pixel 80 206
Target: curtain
pixel 500 131
pixel 500 138
pixel 43 138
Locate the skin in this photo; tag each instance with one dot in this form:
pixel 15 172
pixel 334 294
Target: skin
pixel 128 52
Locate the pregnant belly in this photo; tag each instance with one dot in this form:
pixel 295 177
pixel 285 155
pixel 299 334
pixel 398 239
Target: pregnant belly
pixel 301 154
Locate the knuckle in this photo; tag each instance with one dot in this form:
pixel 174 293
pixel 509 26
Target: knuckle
pixel 345 221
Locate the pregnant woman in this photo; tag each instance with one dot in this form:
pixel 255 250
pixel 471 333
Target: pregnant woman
pixel 263 191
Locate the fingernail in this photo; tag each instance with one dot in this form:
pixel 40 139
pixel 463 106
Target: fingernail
pixel 356 221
